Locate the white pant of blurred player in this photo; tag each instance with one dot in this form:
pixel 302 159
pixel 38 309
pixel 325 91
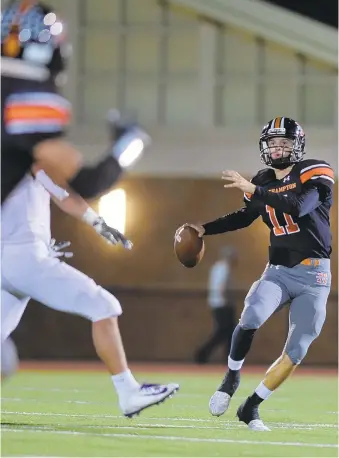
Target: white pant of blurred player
pixel 9 358
pixel 31 271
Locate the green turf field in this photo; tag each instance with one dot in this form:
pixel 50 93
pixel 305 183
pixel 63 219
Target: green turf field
pixel 75 414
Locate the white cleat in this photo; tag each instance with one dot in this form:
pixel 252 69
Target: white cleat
pixel 258 425
pixel 146 395
pixel 219 403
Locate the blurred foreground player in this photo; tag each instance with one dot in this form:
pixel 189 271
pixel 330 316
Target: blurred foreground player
pixel 293 196
pixel 9 354
pixel 34 118
pixel 31 269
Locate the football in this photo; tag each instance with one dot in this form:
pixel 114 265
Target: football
pixel 188 246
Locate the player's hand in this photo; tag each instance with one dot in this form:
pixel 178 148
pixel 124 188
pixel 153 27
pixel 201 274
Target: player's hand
pixel 237 181
pixel 56 249
pixel 198 227
pixel 128 138
pixel 112 236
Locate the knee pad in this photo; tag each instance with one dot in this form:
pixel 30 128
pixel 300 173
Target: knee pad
pixel 9 358
pixel 263 298
pixel 297 351
pixel 298 344
pixel 295 355
pixel 250 317
pixel 105 305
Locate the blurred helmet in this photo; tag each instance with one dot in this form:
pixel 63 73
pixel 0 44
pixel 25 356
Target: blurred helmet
pixel 33 41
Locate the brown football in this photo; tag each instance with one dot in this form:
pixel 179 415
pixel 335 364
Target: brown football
pixel 188 246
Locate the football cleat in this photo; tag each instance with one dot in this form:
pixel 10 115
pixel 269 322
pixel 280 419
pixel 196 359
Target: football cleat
pixel 219 403
pixel 147 395
pixel 221 399
pixel 249 414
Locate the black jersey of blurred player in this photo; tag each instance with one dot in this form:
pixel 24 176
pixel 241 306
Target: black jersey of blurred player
pixel 33 56
pixel 293 238
pixel 31 112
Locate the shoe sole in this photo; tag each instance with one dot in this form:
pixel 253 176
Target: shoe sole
pixel 137 412
pixel 250 425
pixel 221 413
pixel 255 427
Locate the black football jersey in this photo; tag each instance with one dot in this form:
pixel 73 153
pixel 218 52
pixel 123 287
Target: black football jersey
pixel 303 234
pixel 30 113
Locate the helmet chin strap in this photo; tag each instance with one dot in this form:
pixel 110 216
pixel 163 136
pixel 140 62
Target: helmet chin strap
pixel 282 163
pixel 281 166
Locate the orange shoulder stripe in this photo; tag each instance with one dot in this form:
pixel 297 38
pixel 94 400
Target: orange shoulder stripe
pixel 316 171
pixel 16 112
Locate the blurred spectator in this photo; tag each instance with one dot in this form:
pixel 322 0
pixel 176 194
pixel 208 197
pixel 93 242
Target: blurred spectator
pixel 222 305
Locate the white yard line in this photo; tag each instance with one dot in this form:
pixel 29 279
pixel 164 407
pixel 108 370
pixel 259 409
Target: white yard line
pixel 60 401
pixel 147 426
pixel 172 438
pixel 191 420
pixel 57 390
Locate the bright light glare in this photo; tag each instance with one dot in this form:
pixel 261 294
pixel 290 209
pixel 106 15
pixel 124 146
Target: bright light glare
pixel 112 207
pixel 131 153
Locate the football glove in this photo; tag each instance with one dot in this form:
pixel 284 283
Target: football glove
pixel 56 249
pixel 112 236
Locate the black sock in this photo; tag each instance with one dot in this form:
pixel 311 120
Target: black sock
pixel 241 342
pixel 254 400
pixel 230 382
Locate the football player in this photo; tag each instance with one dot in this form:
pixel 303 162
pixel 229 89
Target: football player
pixel 34 121
pixel 35 116
pixel 293 196
pixel 9 355
pixel 31 268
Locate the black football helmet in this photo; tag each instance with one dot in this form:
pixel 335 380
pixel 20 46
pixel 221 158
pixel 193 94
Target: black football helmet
pixel 287 128
pixel 33 41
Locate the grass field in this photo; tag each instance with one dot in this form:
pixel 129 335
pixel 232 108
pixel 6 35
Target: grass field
pixel 72 413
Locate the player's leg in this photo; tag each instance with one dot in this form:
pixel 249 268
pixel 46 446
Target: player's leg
pixel 9 359
pixel 306 318
pixel 12 309
pixel 63 288
pixel 264 298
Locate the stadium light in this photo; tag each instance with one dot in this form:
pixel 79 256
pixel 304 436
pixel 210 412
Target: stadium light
pixel 112 207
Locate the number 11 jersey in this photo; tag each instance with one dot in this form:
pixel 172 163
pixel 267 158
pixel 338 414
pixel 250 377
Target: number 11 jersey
pixel 294 238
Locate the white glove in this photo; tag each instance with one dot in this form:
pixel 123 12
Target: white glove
pixel 112 236
pixel 56 247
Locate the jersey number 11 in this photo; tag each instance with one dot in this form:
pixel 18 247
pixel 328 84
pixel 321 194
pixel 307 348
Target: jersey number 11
pixel 290 228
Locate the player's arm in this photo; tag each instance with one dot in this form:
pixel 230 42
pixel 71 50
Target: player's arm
pixel 37 122
pixel 63 164
pixel 317 184
pixel 295 205
pixel 128 143
pixel 232 221
pixel 239 219
pixel 74 205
